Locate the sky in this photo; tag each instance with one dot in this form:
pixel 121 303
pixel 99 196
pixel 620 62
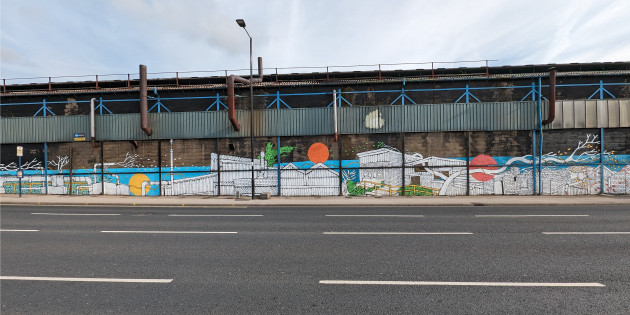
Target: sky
pixel 42 38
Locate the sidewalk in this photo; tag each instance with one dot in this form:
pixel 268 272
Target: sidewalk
pixel 210 201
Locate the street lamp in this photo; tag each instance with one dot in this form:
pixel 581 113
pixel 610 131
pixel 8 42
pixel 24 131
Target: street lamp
pixel 241 23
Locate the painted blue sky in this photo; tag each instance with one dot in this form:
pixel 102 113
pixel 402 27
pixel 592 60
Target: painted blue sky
pixel 41 38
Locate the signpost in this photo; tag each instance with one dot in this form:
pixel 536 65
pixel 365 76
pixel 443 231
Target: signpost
pixel 20 153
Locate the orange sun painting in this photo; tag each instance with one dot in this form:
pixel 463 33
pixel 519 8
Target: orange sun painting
pixel 318 153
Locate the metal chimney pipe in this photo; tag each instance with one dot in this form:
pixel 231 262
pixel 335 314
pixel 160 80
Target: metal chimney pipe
pixel 230 93
pixel 144 102
pixel 551 97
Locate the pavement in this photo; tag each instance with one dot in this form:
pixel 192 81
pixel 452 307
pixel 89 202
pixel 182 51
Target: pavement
pixel 227 201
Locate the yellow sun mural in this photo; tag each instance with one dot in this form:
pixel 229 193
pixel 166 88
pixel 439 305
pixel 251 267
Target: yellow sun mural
pixel 135 184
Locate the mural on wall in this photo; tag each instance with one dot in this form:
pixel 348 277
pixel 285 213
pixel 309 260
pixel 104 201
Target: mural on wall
pixel 376 171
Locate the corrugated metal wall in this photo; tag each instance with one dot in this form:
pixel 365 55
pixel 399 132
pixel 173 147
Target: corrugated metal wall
pixel 610 113
pixel 43 129
pixel 318 121
pixel 442 117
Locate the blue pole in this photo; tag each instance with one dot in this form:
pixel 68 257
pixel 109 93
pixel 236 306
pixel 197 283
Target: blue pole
pixel 467 94
pixel 601 161
pixel 46 168
pixel 279 179
pixel 534 161
pixel 601 91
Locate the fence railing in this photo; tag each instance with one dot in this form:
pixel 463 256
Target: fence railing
pixel 49 82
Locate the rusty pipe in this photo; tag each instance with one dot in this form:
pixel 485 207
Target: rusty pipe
pixel 144 102
pixel 552 97
pixel 230 93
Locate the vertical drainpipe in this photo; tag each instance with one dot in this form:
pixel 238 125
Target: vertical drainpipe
pixel 144 102
pixel 552 97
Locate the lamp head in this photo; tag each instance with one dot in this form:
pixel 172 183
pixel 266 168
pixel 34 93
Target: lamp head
pixel 240 22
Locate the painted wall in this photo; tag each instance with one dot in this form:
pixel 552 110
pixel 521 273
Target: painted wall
pixel 444 163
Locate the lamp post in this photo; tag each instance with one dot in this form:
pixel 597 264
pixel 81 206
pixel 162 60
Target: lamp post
pixel 241 23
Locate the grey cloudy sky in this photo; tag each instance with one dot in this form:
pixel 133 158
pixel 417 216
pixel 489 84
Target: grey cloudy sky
pixel 41 38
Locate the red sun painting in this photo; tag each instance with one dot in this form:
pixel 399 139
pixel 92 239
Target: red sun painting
pixel 318 153
pixel 482 162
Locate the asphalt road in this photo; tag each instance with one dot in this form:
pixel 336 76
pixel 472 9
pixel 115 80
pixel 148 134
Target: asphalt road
pixel 286 260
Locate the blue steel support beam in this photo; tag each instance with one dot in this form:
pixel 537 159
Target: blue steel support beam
pixel 467 94
pixel 278 101
pixel 217 103
pixel 101 106
pixel 339 99
pixel 44 109
pixel 601 91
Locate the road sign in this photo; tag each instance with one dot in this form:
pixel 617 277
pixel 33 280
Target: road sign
pixel 20 151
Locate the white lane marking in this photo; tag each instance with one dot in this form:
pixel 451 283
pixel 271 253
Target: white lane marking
pixel 215 215
pixel 169 232
pixel 9 230
pixel 377 215
pixel 450 283
pixel 85 214
pixel 528 215
pixel 398 233
pixel 86 279
pixel 585 233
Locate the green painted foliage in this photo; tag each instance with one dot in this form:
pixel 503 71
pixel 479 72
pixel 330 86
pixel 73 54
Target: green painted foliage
pixel 271 154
